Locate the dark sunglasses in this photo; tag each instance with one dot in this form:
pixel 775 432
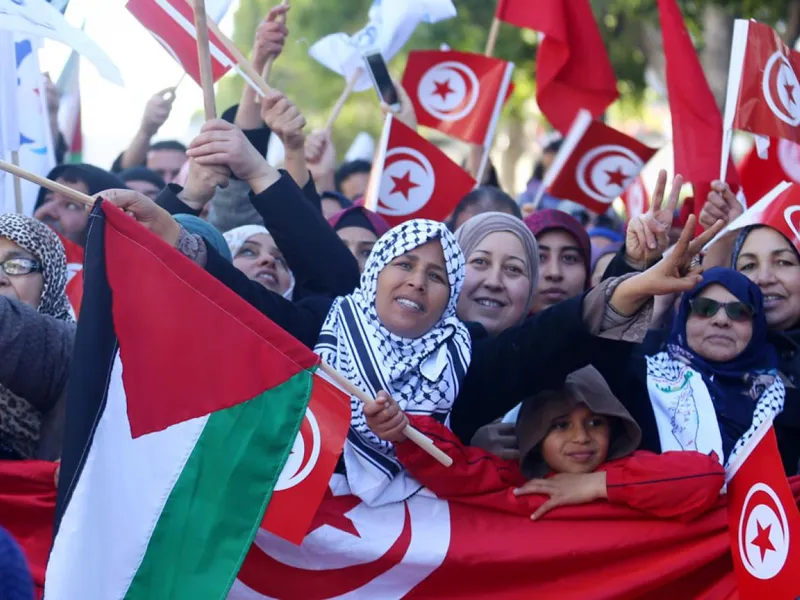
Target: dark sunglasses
pixel 20 266
pixel 707 308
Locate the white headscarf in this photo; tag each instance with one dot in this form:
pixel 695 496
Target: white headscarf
pixel 423 374
pixel 238 236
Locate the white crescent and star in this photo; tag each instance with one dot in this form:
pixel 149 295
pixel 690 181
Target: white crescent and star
pixel 449 91
pixel 304 454
pixel 764 535
pixel 407 183
pixel 789 159
pixel 605 172
pixel 782 89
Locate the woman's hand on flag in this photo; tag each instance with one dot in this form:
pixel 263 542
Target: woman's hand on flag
pixel 146 212
pixel 385 418
pixel 565 489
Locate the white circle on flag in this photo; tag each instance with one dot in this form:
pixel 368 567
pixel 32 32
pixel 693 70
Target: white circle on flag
pixel 787 216
pixel 789 159
pixel 763 533
pixel 449 91
pixel 407 183
pixel 635 196
pixel 303 456
pixel 604 172
pixel 782 89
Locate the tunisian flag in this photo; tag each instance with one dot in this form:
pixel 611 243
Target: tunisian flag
pixel 764 522
pixel 573 71
pixel 458 93
pixel 413 179
pixel 763 85
pixel 596 164
pixel 637 199
pixel 759 176
pixel 171 22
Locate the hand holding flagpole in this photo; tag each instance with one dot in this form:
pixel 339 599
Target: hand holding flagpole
pixel 48 184
pixel 268 65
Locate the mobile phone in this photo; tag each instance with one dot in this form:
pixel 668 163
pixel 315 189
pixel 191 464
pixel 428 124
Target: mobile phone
pixel 381 79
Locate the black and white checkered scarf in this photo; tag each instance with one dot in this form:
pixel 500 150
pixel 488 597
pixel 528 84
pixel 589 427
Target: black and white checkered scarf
pixel 423 375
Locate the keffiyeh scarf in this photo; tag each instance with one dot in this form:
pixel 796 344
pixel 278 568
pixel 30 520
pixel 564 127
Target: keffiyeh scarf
pixel 423 375
pixel 21 421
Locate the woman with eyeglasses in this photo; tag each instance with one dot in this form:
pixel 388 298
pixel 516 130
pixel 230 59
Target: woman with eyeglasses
pixel 36 336
pixel 715 380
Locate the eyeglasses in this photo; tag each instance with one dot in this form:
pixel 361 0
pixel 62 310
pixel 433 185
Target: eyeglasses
pixel 20 266
pixel 707 308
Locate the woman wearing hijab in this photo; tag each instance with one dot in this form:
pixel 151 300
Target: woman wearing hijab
pixel 716 379
pixel 36 335
pixel 565 253
pixel 502 271
pixel 359 229
pixel 255 254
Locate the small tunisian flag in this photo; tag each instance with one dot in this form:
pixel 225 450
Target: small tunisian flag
pixel 764 522
pixel 171 22
pixel 413 179
pixel 637 200
pixel 573 71
pixel 596 164
pixel 763 88
pixel 458 93
pixel 759 176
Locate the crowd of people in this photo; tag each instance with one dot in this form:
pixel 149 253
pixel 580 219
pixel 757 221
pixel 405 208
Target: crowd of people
pixel 567 351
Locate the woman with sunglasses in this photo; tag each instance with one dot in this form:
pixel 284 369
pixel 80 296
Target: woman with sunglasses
pixel 716 378
pixel 36 335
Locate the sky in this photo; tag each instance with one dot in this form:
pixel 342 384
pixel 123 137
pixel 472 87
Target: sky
pixel 111 114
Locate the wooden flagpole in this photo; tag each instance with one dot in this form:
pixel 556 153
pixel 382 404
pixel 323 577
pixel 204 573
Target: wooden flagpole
pixel 17 183
pixel 204 57
pixel 268 66
pixel 337 109
pixel 48 184
pixel 492 41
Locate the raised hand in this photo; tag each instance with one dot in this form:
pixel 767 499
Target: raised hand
pixel 202 182
pixel 284 118
pixel 406 113
pixel 385 418
pixel 270 37
pixel 721 205
pixel 647 236
pixel 157 111
pixel 146 212
pixel 565 489
pixel 321 159
pixel 498 438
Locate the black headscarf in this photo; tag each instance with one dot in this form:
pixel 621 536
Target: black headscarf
pixel 95 178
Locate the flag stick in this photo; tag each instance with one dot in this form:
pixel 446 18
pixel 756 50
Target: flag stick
pixel 17 183
pixel 268 66
pixel 204 57
pixel 48 184
pixel 337 109
pixel 485 152
pixel 241 60
pixel 492 41
pixel 412 434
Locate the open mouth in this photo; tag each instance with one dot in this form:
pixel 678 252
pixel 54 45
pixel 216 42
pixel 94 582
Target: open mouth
pixel 489 303
pixel 410 304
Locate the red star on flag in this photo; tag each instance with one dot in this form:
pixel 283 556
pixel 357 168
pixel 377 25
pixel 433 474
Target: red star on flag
pixel 789 91
pixel 333 511
pixel 617 177
pixel 762 541
pixel 443 89
pixel 403 184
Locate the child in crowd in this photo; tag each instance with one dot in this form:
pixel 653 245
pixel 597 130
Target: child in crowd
pixel 577 445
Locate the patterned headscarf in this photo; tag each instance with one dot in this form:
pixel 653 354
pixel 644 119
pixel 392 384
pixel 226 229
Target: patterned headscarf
pixel 238 236
pixel 423 374
pixel 21 422
pixel 548 219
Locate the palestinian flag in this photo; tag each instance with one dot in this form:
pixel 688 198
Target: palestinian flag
pixel 69 110
pixel 185 405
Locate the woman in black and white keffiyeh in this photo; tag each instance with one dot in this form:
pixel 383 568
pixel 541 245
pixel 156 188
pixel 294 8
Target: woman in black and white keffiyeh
pixel 370 338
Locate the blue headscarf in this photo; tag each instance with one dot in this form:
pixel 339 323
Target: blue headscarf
pixel 758 356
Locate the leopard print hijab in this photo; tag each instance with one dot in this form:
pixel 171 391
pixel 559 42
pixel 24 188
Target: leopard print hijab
pixel 20 421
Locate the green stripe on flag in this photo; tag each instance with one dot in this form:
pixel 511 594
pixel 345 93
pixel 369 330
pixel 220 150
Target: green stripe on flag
pixel 215 508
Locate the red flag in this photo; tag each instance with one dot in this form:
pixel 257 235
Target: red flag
pixel 458 93
pixel 171 22
pixel 596 164
pixel 637 199
pixel 573 71
pixel 764 522
pixel 759 176
pixel 413 179
pixel 316 450
pixel 74 273
pixel 696 119
pixel 768 93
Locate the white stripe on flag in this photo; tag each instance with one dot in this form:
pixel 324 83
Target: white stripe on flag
pixel 189 28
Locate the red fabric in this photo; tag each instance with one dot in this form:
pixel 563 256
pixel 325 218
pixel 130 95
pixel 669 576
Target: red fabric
pixel 174 29
pixel 603 164
pixel 27 510
pixel 769 94
pixel 680 485
pixel 573 71
pixel 457 93
pixel 760 176
pixel 74 273
pixel 763 521
pixel 696 119
pixel 161 302
pixel 413 179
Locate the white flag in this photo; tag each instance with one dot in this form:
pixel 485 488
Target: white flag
pixel 391 24
pixel 9 118
pixel 40 19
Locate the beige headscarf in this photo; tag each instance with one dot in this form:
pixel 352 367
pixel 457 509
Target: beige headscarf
pixel 238 236
pixel 585 386
pixel 471 233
